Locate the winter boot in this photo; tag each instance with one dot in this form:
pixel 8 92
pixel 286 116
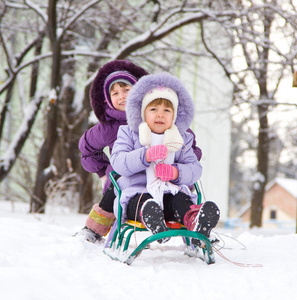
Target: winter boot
pixel 202 218
pixel 98 224
pixel 89 235
pixel 152 218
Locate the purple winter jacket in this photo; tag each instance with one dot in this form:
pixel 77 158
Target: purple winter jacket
pixel 92 143
pixel 103 134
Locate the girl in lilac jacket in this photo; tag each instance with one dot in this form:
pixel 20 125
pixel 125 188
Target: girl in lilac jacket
pixel 154 156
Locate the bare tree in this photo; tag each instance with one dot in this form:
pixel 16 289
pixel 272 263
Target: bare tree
pixel 7 162
pixel 266 64
pixel 93 32
pixel 127 34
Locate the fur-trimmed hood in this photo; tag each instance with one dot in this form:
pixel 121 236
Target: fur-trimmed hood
pixel 185 110
pixel 101 109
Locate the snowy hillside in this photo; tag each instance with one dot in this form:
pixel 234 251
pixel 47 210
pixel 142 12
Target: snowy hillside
pixel 39 259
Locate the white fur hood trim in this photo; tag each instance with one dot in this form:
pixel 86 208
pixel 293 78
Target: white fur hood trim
pixel 172 138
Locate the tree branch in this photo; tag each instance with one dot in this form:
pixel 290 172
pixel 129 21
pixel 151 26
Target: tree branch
pixel 38 10
pixel 153 35
pixel 12 152
pixel 2 41
pixel 76 16
pixel 6 84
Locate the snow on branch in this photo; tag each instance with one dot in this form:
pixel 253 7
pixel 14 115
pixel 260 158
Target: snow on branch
pixel 13 150
pixel 158 31
pixel 15 5
pixel 155 34
pixel 38 10
pixel 4 86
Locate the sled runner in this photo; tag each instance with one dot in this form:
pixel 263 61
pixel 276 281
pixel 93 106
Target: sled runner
pixel 119 238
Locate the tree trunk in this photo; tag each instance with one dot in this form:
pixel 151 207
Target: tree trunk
pixel 85 191
pixel 263 134
pixel 44 173
pixel 86 179
pixel 262 169
pixel 65 154
pixel 5 108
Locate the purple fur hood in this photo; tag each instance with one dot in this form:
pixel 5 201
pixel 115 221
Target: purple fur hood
pixel 185 110
pixel 98 102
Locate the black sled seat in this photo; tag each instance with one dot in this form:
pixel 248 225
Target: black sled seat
pixel 120 237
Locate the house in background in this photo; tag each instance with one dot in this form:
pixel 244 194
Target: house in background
pixel 279 206
pixel 280 200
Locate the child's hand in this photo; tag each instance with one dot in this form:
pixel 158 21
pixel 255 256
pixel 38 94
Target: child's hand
pixel 166 172
pixel 156 152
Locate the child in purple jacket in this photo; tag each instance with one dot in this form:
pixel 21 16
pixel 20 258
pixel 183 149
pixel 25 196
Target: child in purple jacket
pixel 154 156
pixel 108 98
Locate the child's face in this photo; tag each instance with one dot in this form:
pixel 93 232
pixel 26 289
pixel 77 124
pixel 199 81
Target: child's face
pixel 118 96
pixel 158 117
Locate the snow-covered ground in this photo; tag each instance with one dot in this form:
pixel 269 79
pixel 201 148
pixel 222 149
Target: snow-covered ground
pixel 39 259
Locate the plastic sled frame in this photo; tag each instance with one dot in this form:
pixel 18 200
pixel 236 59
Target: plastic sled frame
pixel 120 237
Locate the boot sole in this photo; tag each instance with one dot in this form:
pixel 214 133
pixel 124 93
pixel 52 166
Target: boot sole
pixel 153 219
pixel 208 218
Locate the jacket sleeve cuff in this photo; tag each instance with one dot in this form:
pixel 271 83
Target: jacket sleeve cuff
pixel 176 181
pixel 144 160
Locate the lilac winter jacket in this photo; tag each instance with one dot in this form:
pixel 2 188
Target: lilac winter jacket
pixel 128 155
pixel 94 140
pixel 128 160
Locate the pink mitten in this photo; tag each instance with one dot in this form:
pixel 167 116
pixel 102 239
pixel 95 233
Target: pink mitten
pixel 156 152
pixel 166 172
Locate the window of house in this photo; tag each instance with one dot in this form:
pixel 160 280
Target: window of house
pixel 273 214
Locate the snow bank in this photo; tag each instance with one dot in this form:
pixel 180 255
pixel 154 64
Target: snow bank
pixel 39 259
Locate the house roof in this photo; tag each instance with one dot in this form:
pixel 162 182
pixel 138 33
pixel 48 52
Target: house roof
pixel 290 185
